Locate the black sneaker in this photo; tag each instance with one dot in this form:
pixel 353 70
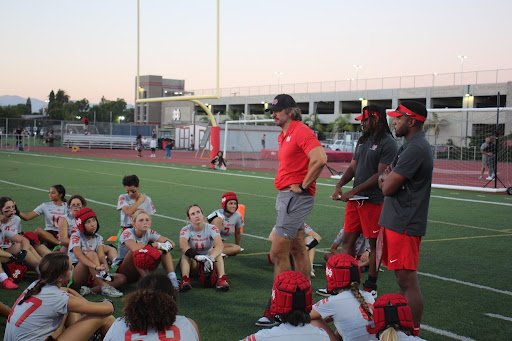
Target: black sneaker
pixel 266 322
pixel 371 287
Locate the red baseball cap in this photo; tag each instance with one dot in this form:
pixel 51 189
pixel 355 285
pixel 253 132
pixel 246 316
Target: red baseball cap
pixel 370 110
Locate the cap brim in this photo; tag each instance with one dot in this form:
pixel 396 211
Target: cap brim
pixel 395 113
pixel 274 108
pixel 360 117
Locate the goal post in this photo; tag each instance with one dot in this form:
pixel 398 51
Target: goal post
pixel 457 136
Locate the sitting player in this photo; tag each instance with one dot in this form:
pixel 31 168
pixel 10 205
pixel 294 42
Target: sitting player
pixel 45 307
pixel 141 249
pixel 88 258
pixel 9 221
pixel 312 239
pixel 362 247
pixel 200 243
pixel 228 221
pixel 393 320
pixel 52 211
pixel 291 303
pixel 67 226
pixel 349 307
pixel 151 313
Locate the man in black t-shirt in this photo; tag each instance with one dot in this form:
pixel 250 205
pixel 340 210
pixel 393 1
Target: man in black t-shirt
pixel 375 150
pixel 406 184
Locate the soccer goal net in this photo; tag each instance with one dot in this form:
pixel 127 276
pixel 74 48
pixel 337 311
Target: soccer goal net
pixel 250 143
pixel 472 148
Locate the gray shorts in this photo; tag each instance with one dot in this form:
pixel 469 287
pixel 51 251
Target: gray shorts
pixel 292 210
pixel 484 161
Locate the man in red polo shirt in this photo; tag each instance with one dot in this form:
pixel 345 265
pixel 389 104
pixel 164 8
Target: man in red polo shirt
pixel 301 160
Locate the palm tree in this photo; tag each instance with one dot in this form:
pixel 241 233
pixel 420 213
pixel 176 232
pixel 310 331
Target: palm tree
pixel 341 123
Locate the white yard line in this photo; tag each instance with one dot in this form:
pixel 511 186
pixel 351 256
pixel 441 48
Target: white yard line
pixel 226 173
pixel 501 317
pixel 445 333
pixel 499 291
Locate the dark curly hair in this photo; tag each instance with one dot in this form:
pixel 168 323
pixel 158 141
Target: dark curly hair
pixel 153 305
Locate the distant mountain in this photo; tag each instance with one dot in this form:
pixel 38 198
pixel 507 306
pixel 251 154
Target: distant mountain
pixel 14 100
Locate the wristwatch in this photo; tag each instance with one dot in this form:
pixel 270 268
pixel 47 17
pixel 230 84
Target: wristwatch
pixel 302 188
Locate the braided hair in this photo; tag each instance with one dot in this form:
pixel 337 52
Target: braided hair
pixel 354 288
pixel 51 267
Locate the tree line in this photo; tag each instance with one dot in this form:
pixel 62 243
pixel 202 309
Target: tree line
pixel 61 108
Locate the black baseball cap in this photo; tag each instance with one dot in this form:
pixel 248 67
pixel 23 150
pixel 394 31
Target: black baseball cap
pixel 415 110
pixel 281 102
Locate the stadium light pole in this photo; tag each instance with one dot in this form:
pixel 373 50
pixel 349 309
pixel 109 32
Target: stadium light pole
pixel 434 79
pixel 357 75
pixel 462 58
pixel 278 74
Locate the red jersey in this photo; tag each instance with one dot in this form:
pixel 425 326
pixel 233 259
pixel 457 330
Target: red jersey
pixel 294 148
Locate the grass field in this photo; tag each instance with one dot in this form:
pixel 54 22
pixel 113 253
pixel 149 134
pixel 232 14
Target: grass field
pixel 464 271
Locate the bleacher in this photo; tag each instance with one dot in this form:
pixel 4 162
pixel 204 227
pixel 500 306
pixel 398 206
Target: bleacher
pixel 98 141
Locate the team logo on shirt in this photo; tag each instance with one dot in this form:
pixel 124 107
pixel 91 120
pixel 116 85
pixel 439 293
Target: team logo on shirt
pixel 374 147
pixel 288 139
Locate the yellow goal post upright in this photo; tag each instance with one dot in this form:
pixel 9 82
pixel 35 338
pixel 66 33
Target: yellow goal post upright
pixel 215 129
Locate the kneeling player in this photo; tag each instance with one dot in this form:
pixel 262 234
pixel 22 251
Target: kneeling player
pixel 141 249
pixel 200 242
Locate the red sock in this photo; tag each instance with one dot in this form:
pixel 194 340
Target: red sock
pixel 416 331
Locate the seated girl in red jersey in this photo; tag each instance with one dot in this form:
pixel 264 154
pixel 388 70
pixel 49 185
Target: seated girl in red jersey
pixel 349 307
pixel 151 313
pixel 200 242
pixel 141 250
pixel 45 308
pixel 87 256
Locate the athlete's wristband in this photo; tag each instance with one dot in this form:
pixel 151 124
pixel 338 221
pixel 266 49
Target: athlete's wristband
pixel 302 188
pixel 191 253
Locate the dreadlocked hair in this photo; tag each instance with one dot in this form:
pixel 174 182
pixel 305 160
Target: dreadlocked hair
pixel 154 290
pixel 354 288
pixel 389 334
pixel 51 267
pixel 378 127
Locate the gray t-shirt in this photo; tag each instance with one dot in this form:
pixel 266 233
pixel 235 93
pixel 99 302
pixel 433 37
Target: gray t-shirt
pixel 368 156
pixel 407 209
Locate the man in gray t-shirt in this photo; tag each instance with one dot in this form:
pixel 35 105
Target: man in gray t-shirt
pixel 406 185
pixel 375 151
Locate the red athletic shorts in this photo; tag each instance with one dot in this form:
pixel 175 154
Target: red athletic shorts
pixel 400 251
pixel 362 216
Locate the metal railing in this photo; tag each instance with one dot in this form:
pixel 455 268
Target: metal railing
pixel 399 82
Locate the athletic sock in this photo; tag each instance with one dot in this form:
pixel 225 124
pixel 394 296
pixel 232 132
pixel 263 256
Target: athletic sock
pixel 416 331
pixel 172 275
pixel 3 276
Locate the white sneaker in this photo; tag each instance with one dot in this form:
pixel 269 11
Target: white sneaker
pixel 313 273
pixel 110 291
pixel 323 292
pixel 489 178
pixel 266 322
pixel 86 291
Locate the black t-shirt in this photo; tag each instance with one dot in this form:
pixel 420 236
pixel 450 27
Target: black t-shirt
pixel 368 156
pixel 407 209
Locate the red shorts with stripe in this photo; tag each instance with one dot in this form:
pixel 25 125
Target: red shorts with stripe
pixel 400 251
pixel 362 216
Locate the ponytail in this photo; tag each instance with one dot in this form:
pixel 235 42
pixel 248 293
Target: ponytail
pixel 389 334
pixel 354 288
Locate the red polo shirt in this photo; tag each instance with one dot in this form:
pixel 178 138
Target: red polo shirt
pixel 294 148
